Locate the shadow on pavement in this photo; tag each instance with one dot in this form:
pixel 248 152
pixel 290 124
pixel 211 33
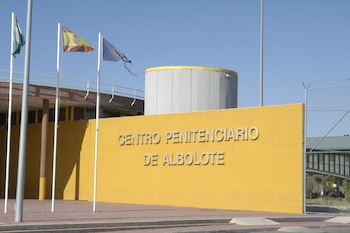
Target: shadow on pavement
pixel 326 209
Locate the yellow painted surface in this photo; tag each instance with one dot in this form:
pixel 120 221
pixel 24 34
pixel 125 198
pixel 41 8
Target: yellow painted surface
pixel 32 169
pixel 70 159
pixel 42 188
pixel 69 192
pixel 70 172
pixel 262 172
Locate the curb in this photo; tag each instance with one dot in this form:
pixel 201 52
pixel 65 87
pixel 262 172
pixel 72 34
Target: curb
pixel 98 226
pixel 144 225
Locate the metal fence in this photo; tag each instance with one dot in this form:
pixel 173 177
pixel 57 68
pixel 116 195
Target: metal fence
pixel 73 83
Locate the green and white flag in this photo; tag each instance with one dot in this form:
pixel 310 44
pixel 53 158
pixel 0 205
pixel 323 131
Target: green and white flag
pixel 19 39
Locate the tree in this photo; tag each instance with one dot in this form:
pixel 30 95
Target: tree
pixel 328 182
pixel 345 189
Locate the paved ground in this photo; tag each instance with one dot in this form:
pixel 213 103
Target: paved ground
pixel 77 216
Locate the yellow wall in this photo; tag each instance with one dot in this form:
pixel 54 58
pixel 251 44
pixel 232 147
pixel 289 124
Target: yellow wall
pixel 13 164
pixel 258 173
pixel 261 174
pixel 69 157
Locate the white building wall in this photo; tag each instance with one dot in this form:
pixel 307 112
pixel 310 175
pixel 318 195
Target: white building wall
pixel 173 89
pixel 182 91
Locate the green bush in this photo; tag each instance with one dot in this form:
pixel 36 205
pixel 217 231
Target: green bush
pixel 345 189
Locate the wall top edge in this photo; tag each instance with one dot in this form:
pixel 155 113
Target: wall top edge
pixel 158 68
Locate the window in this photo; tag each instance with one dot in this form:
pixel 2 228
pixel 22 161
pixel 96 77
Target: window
pixel 321 162
pixel 3 119
pixel 336 164
pixel 61 115
pixel 31 116
pixel 90 113
pixel 342 165
pixel 331 163
pixel 326 162
pixel 315 161
pixel 347 165
pixel 78 113
pixel 310 163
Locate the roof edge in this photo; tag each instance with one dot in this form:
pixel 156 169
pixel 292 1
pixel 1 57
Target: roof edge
pixel 158 68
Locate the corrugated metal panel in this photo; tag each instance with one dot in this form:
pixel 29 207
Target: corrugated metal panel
pixel 231 90
pixel 174 89
pixel 165 92
pixel 182 95
pixel 215 90
pixel 151 85
pixel 200 90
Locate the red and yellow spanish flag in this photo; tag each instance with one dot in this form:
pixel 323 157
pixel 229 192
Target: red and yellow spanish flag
pixel 74 43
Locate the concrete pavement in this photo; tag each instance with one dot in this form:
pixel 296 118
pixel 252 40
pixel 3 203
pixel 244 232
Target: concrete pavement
pixel 77 216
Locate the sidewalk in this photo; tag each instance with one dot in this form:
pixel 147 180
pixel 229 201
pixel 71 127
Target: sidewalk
pixel 77 216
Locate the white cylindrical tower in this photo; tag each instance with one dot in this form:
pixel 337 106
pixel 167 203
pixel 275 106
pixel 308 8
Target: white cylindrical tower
pixel 173 89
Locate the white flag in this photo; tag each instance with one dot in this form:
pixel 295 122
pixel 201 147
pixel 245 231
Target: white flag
pixel 19 39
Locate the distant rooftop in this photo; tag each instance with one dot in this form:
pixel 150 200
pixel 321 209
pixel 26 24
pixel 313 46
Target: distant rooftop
pixel 334 143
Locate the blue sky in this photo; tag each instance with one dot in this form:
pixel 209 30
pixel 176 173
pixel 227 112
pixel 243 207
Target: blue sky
pixel 304 41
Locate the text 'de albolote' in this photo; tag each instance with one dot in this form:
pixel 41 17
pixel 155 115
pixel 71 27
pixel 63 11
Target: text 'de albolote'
pixel 185 159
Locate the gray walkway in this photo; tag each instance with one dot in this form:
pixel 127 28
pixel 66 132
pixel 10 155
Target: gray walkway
pixel 77 216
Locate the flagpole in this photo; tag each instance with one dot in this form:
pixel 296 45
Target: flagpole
pixel 261 52
pixel 24 122
pixel 306 88
pixel 9 123
pixel 97 116
pixel 56 119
